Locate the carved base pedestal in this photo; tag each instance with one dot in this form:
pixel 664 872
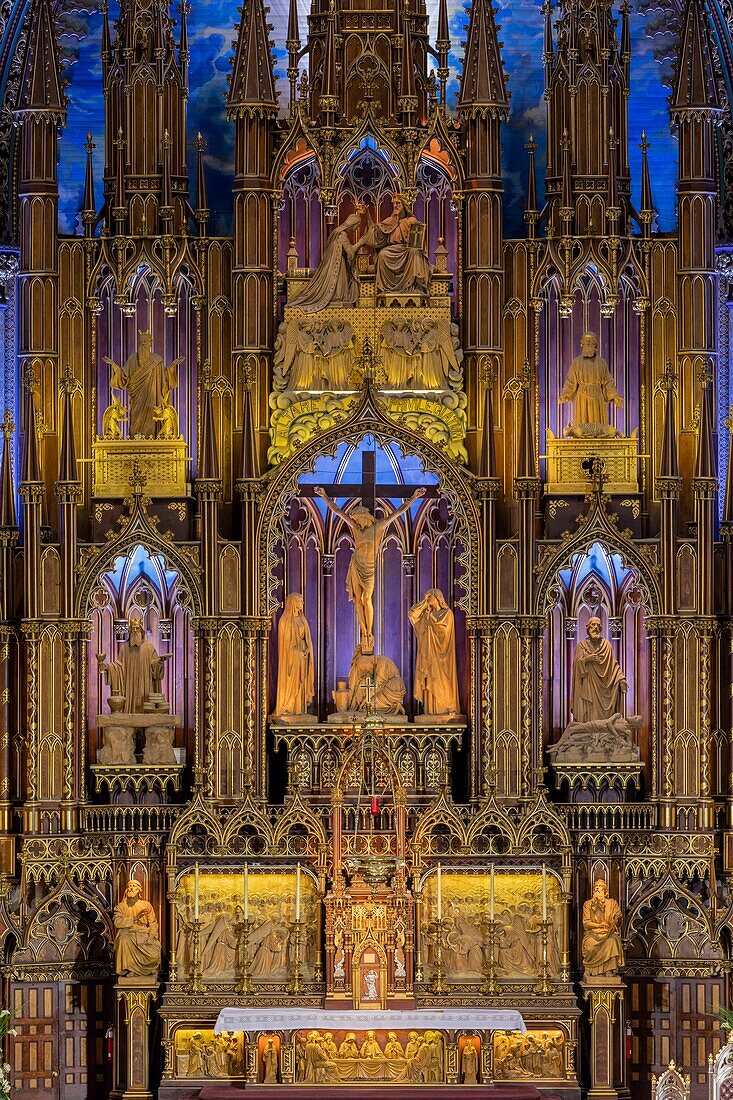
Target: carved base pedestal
pixel 605 997
pixel 134 999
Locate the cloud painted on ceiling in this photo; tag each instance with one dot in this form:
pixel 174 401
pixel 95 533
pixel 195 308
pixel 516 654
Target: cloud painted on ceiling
pixel 211 34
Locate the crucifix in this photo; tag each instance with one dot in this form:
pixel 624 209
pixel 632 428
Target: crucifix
pixel 367 532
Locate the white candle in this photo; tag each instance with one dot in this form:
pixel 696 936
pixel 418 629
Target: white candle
pixel 246 891
pixel 491 893
pixel 297 893
pixel 544 892
pixel 440 892
pixel 196 891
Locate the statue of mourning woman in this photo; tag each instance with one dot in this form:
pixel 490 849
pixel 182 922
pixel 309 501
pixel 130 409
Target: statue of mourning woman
pixel 333 283
pixel 295 673
pixel 436 677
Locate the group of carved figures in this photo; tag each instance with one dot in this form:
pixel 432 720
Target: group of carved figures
pixel 436 678
pixel 519 951
pixel 206 1055
pixel 421 353
pixel 518 943
pixel 319 1059
pixel 402 264
pixel 270 942
pixel 534 1054
pixel 148 383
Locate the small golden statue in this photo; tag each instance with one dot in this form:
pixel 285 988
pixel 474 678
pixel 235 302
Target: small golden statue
pixel 112 418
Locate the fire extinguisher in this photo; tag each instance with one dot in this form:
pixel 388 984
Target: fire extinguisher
pixel 109 1044
pixel 629 1042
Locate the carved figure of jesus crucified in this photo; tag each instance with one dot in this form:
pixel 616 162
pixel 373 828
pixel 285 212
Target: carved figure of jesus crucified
pixel 367 532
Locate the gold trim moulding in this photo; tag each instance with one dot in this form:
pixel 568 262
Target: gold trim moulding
pixel 567 476
pixel 138 777
pixel 163 461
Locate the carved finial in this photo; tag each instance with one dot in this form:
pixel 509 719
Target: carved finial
pixel 200 143
pixel 68 384
pixel 138 479
pixel 207 377
pixel 89 144
pixel 30 379
pixel 166 140
pixel 668 380
pixel 644 145
pixel 249 371
pixel 369 366
pixel 525 377
pixel 119 142
pixel 8 427
pixel 486 370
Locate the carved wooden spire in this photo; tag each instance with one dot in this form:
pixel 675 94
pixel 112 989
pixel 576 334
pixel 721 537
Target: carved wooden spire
pixel 68 469
pixel 202 205
pixel 668 462
pixel 31 468
pixel 89 209
pixel 8 517
pixel 483 83
pixel 705 464
pixel 526 461
pixel 250 459
pixel 488 443
pixel 695 88
pixel 408 92
pixel 647 211
pixel 253 80
pixel 208 454
pixel 328 102
pixel 40 93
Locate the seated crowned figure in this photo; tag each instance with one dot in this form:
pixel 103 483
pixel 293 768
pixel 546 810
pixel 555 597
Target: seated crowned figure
pixel 402 265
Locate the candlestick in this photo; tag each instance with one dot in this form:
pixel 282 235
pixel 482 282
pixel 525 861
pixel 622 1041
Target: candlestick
pixel 491 893
pixel 439 887
pixel 544 892
pixel 246 891
pixel 297 893
pixel 196 891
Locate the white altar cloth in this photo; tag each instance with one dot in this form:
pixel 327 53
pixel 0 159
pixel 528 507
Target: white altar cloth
pixel 393 1019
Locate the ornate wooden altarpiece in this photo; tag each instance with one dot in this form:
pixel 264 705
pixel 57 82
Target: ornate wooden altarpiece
pixel 185 400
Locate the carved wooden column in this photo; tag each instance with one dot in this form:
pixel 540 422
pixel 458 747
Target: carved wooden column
pixel 134 999
pixel 605 997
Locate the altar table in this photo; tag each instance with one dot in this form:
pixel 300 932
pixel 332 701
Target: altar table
pixel 392 1019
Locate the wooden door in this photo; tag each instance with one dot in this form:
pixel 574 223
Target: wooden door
pixel 59 1052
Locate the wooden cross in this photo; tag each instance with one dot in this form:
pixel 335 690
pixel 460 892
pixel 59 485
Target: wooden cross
pixel 368 489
